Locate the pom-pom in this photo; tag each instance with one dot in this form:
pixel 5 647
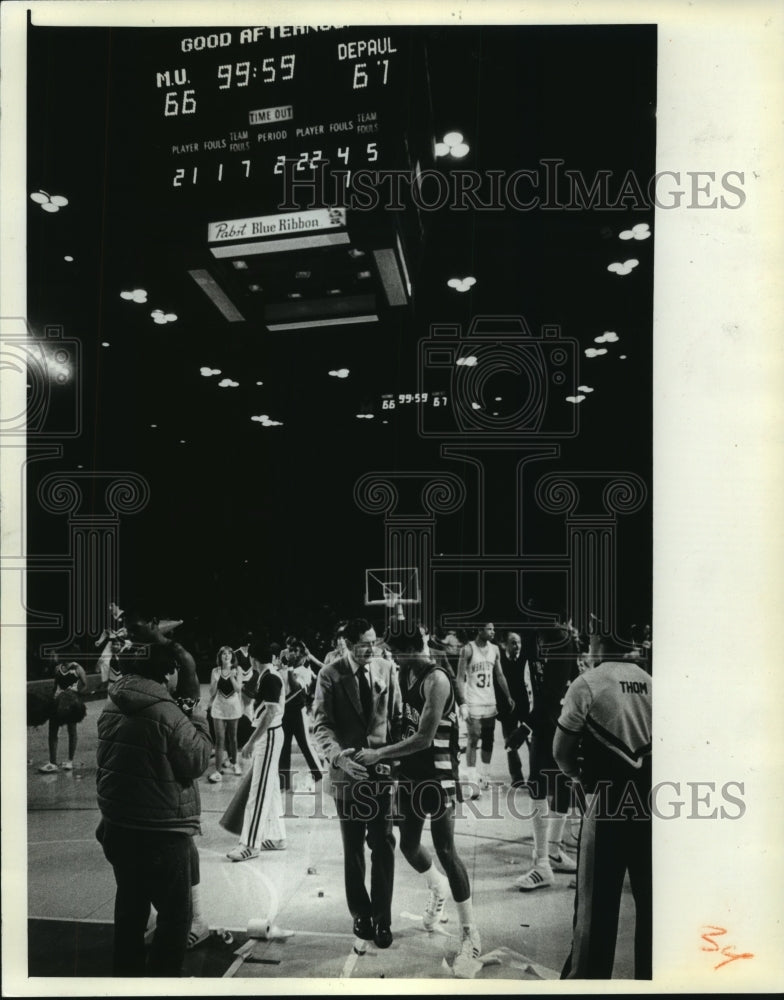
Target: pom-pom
pixel 69 708
pixel 40 706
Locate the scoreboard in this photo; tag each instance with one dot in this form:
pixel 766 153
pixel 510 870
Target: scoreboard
pixel 255 141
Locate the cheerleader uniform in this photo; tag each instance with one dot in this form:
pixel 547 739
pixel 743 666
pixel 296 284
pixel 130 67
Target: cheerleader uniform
pixel 68 710
pixel 227 703
pixel 69 707
pixel 226 707
pixel 263 826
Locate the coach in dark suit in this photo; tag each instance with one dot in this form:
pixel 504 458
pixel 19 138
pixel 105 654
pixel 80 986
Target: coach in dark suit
pixel 513 667
pixel 357 704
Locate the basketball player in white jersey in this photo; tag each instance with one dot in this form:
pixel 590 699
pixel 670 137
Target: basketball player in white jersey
pixel 479 665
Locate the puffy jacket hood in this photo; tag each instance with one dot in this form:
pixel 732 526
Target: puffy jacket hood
pixel 132 694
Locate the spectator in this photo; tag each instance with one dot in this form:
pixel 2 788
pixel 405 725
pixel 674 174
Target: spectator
pixel 150 755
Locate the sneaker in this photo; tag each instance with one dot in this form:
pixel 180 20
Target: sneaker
pixel 539 877
pixel 273 845
pixel 48 768
pixel 467 962
pixel 238 768
pixel 215 777
pixel 242 853
pixel 484 781
pixel 68 765
pixel 199 932
pixel 226 765
pixel 434 911
pixel 561 862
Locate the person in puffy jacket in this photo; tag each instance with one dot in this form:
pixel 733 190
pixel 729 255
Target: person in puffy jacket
pixel 150 755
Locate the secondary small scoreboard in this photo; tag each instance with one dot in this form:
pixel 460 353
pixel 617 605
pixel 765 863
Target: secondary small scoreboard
pixel 282 159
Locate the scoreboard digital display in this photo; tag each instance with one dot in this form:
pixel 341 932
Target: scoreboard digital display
pixel 252 137
pixel 234 105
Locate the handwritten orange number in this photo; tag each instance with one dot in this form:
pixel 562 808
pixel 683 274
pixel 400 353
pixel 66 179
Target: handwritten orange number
pixel 729 955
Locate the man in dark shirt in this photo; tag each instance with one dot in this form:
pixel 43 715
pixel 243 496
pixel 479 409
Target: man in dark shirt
pixel 513 667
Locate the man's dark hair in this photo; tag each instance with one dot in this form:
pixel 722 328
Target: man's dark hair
pixel 612 648
pixel 263 650
pixel 355 628
pixel 406 642
pixel 157 665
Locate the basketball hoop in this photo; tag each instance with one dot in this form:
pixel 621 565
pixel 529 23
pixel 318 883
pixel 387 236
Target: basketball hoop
pixel 392 588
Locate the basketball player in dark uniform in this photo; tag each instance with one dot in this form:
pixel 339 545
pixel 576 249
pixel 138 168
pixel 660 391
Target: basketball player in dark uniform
pixel 428 786
pixel 550 676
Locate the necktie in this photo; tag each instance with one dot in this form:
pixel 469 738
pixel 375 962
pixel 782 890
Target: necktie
pixel 364 692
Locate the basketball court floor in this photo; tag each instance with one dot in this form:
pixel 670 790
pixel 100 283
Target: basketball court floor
pixel 299 891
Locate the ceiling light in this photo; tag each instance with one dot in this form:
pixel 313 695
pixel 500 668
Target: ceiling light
pixel 453 138
pixel 461 284
pixel 68 258
pixel 333 291
pixel 353 252
pixel 295 295
pixel 240 265
pixel 364 274
pixel 47 203
pixel 441 149
pixel 137 295
pixel 254 288
pixel 459 151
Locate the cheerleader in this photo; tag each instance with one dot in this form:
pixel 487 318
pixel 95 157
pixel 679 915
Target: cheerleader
pixel 70 681
pixel 298 679
pixel 226 710
pixel 249 679
pixel 255 812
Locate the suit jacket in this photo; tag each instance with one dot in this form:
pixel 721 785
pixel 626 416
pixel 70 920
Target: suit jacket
pixel 338 719
pixel 515 680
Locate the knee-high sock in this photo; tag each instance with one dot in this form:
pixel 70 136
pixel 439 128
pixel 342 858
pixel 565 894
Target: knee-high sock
pixel 557 824
pixel 465 912
pixel 541 825
pixel 196 903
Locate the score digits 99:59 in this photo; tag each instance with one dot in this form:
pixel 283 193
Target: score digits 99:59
pixel 240 74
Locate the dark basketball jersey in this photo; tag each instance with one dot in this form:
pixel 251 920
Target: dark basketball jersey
pixel 438 761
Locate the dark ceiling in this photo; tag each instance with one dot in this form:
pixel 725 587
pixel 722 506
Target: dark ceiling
pixel 262 519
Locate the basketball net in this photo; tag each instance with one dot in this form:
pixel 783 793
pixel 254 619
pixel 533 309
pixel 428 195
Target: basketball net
pixel 393 602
